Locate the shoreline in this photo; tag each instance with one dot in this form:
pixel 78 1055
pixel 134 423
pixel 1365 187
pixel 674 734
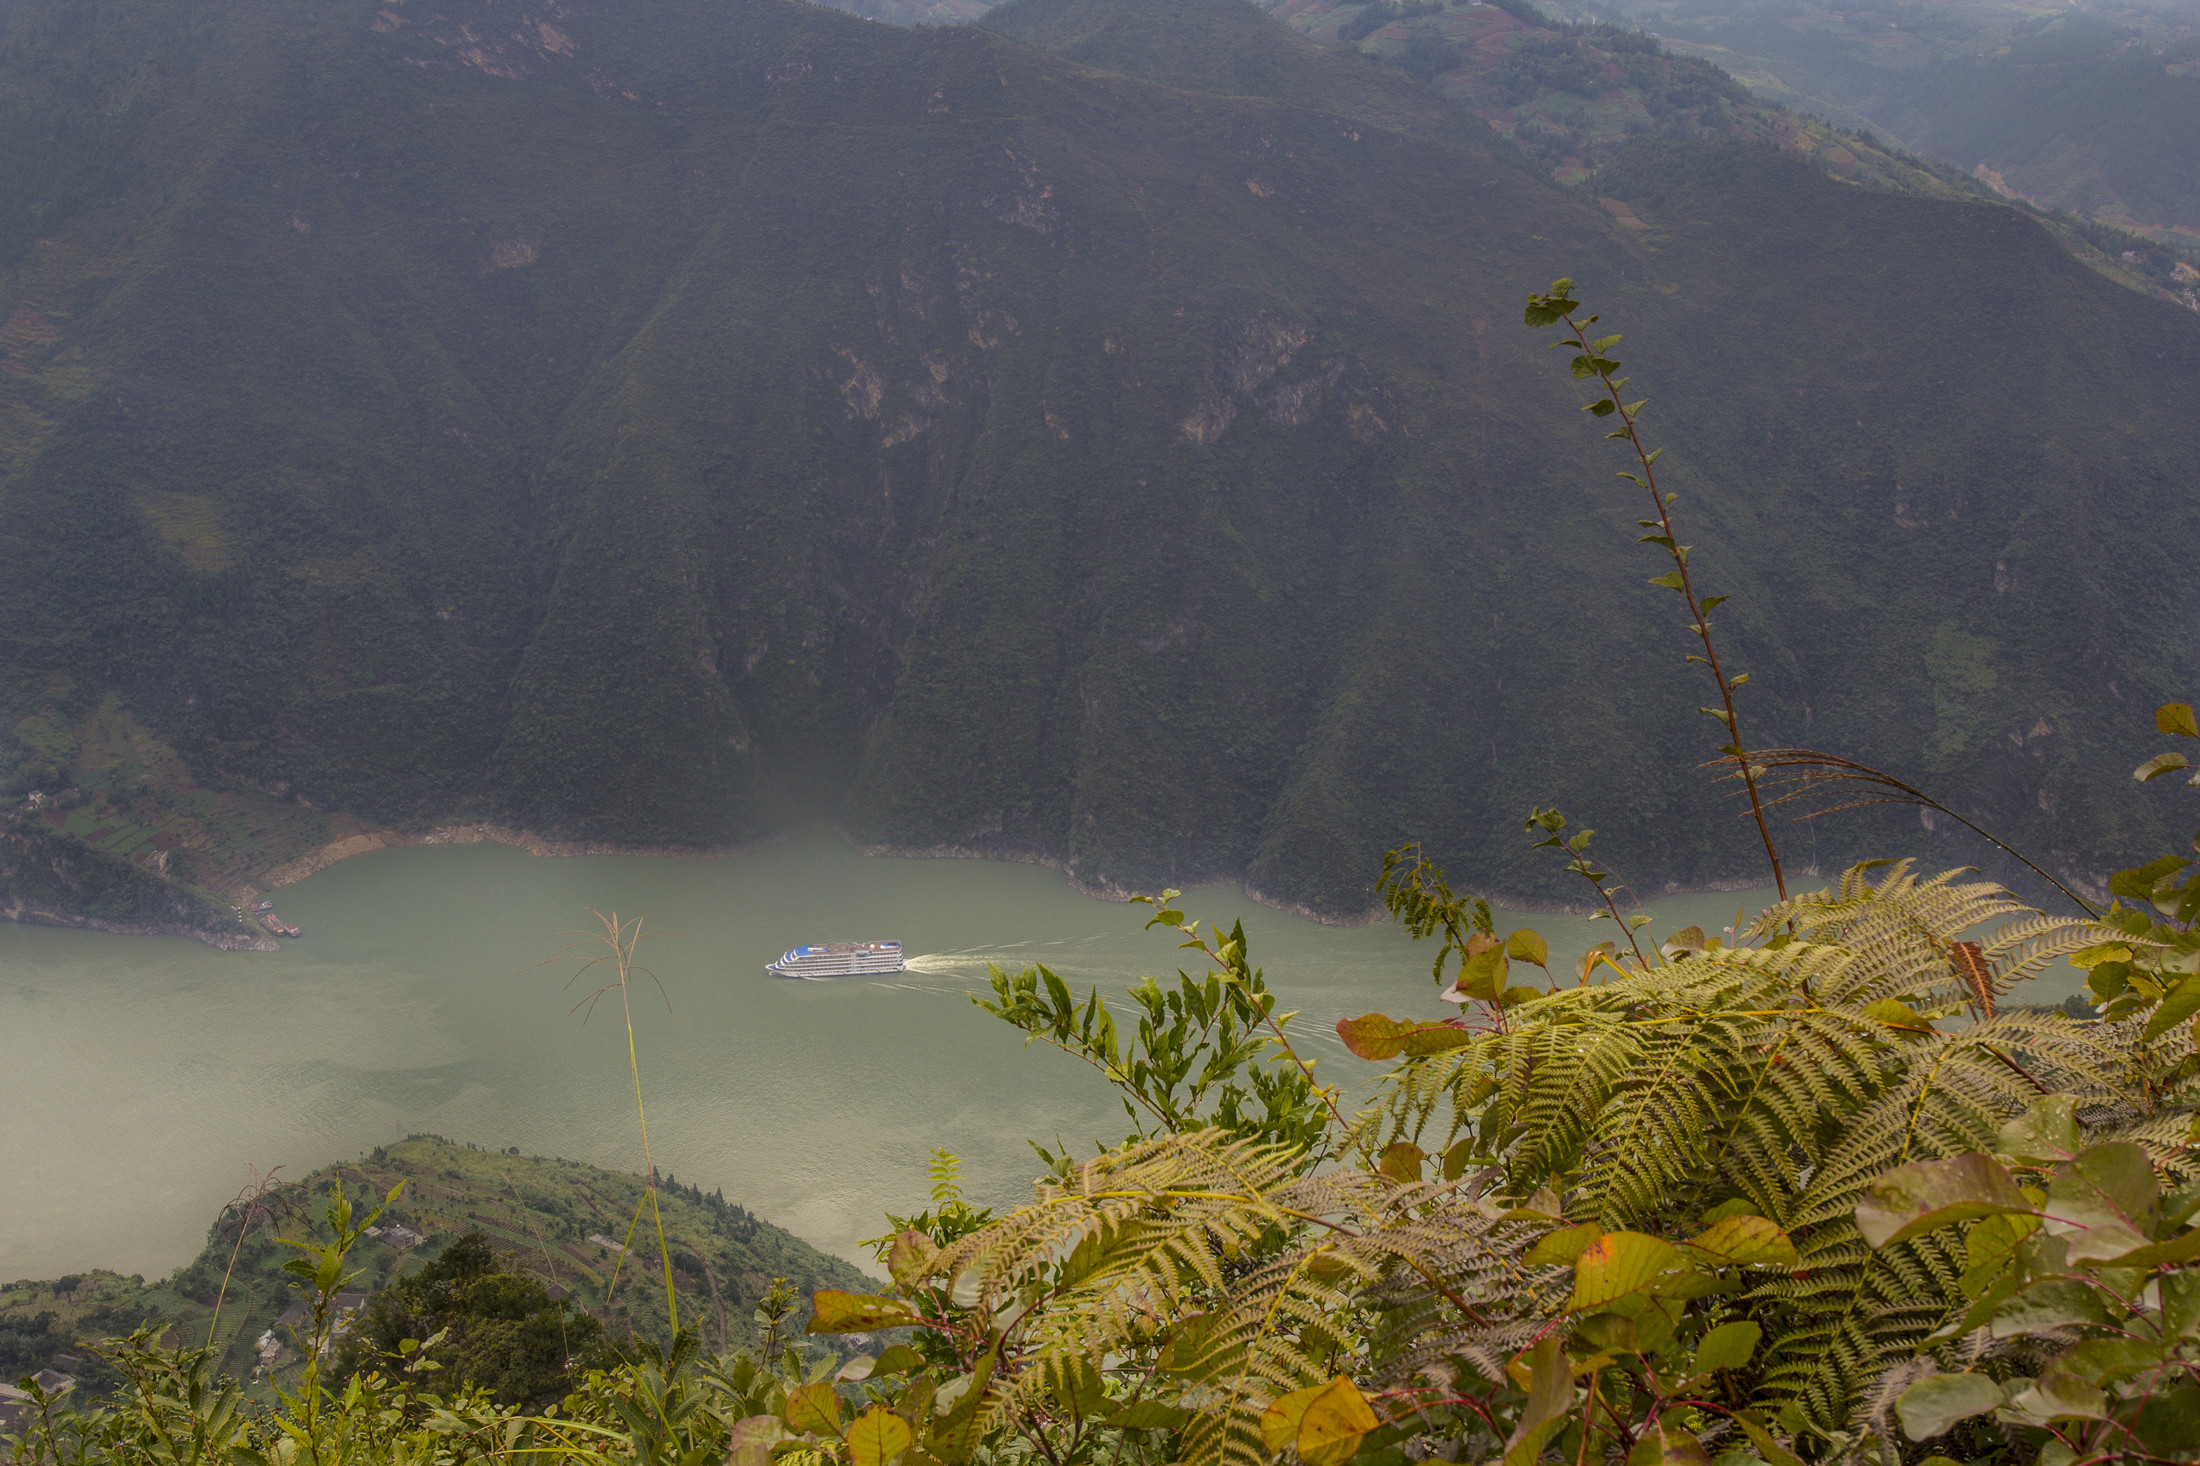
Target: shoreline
pixel 484 832
pixel 219 941
pixel 476 832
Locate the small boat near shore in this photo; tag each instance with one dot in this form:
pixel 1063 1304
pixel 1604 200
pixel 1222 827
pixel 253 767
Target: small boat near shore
pixel 840 959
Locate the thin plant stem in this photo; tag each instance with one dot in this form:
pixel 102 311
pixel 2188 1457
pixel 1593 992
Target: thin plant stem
pixel 250 1198
pixel 618 941
pixel 1661 507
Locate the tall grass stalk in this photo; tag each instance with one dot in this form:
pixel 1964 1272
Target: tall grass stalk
pixel 250 1206
pixel 612 949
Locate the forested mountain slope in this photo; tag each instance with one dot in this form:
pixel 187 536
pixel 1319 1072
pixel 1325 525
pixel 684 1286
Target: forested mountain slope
pixel 654 424
pixel 2093 109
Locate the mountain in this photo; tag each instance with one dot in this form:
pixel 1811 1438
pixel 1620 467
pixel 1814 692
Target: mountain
pixel 537 1214
pixel 2093 109
pixel 652 426
pixel 1573 94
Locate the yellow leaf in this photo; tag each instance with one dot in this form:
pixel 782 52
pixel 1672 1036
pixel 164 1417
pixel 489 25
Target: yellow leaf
pixel 813 1410
pixel 1617 1264
pixel 1751 1241
pixel 1401 1162
pixel 877 1437
pixel 1900 1017
pixel 1374 1036
pixel 1562 1247
pixel 1331 1424
pixel 1279 1423
pixel 857 1313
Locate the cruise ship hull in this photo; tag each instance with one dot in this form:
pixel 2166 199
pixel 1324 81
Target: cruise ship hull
pixel 840 959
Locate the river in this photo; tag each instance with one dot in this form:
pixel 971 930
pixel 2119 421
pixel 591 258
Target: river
pixel 145 1077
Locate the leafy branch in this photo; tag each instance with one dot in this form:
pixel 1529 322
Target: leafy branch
pixel 1594 359
pixel 1576 845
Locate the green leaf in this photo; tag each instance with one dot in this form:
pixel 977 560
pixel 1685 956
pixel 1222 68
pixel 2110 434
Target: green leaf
pixel 1458 1158
pixel 1562 1248
pixel 877 1437
pixel 2179 1249
pixel 897 1359
pixel 2059 1394
pixel 2180 1303
pixel 1527 945
pixel 1373 1036
pixel 1901 1017
pixel 1617 1264
pixel 1761 1438
pixel 1671 580
pixel 1602 407
pixel 1987 1249
pixel 2104 1201
pixel 956 1435
pixel 2108 979
pixel 1746 1241
pixel 751 1440
pixel 1150 1415
pixel 1076 1386
pixel 2051 1303
pixel 1729 1346
pixel 2181 1003
pixel 858 1313
pixel 913 1258
pixel 1929 1407
pixel 2176 717
pixel 1482 974
pixel 2045 1133
pixel 2138 884
pixel 2160 764
pixel 2169 1421
pixel 1687 939
pixel 1663 1445
pixel 1550 1400
pixel 2102 1360
pixel 1927 1195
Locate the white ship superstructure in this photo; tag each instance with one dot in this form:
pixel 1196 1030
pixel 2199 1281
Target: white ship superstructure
pixel 839 959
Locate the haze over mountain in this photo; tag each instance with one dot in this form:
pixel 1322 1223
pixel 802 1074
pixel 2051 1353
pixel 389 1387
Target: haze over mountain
pixel 2095 109
pixel 658 424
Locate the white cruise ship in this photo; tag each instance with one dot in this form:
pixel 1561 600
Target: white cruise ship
pixel 839 959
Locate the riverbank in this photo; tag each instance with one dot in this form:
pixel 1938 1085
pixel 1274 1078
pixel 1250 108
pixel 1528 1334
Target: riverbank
pixel 51 879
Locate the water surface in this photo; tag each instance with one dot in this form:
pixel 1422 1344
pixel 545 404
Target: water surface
pixel 145 1077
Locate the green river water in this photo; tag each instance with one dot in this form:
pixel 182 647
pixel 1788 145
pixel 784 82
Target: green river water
pixel 144 1077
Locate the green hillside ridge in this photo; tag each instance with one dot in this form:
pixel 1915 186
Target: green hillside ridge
pixel 537 1214
pixel 661 433
pixel 1573 95
pixel 2094 110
